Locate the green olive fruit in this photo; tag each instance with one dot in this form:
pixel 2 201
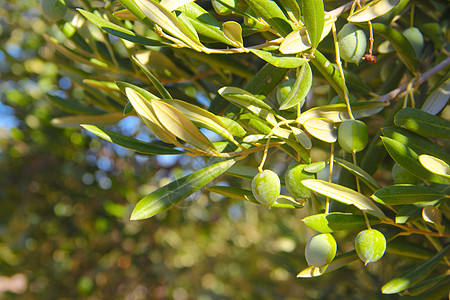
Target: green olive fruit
pixel 370 245
pixel 293 177
pixel 320 250
pixel 222 9
pixel 337 99
pixel 401 176
pixel 266 187
pixel 352 135
pixel 415 37
pixel 53 10
pixel 352 43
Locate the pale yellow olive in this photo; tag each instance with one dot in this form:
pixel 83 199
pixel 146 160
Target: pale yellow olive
pixel 415 37
pixel 266 187
pixel 320 250
pixel 370 245
pixel 352 135
pixel 53 10
pixel 293 177
pixel 222 9
pixel 352 43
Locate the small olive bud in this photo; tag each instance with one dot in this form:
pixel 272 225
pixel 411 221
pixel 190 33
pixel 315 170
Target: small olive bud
pixel 266 187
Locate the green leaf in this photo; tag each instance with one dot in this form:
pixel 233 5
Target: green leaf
pixel 300 89
pixel 336 221
pixel 120 31
pixel 315 167
pixel 338 112
pixel 410 212
pixel 409 160
pixel 416 142
pixel 279 61
pixel 172 5
pixel 357 171
pixel 233 31
pixel 265 81
pixel 233 126
pixel 272 14
pixel 162 17
pixel 246 100
pixel 402 247
pixel 294 8
pixel 244 172
pixel 243 194
pixel 344 195
pixel 410 278
pixel 438 99
pixel 135 10
pixel 158 85
pixel 313 15
pixel 321 128
pixel 73 106
pixel 434 288
pixel 423 123
pixel 406 194
pixel 130 143
pixel 435 165
pixel 400 43
pixel 372 10
pixel 338 262
pixel 76 121
pixel 176 191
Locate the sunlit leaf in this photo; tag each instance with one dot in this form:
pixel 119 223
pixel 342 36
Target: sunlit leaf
pixel 172 5
pixel 438 99
pixel 300 89
pixel 344 195
pixel 372 10
pixel 336 221
pixel 423 123
pixel 158 85
pixel 357 171
pixel 125 14
pixel 176 191
pixel 406 194
pixel 233 31
pixel 279 61
pixel 313 15
pixel 435 165
pixel 321 128
pixel 272 14
pixel 76 121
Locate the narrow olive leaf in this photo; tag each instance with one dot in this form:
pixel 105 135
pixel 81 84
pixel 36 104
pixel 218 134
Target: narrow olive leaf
pixel 265 80
pixel 135 10
pixel 302 137
pixel 172 5
pixel 122 85
pixel 411 277
pixel 158 85
pixel 246 100
pixel 147 114
pixel 338 112
pixel 357 171
pixel 427 289
pixel 344 195
pixel 336 221
pixel 127 109
pixel 321 128
pixel 253 138
pixel 298 40
pixel 107 86
pixel 233 31
pixel 176 191
pixel 186 22
pixel 409 249
pixel 163 18
pixel 438 99
pixel 355 83
pixel 400 43
pixel 313 15
pixel 243 194
pixel 244 172
pixel 76 121
pixel 130 143
pixel 301 151
pixel 406 194
pixel 294 8
pixel 338 262
pixel 74 107
pixel 254 124
pixel 125 14
pixel 410 212
pixel 272 14
pixel 202 118
pixel 300 89
pixel 418 143
pixel 372 10
pixel 329 71
pixel 423 123
pixel 233 126
pixel 204 23
pixel 119 31
pixel 315 167
pixel 279 61
pixel 409 160
pixel 178 124
pixel 435 165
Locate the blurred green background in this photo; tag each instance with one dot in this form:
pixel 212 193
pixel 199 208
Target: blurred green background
pixel 66 198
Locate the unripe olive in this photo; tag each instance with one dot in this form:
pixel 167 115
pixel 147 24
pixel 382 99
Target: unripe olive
pixel 415 37
pixel 266 187
pixel 352 135
pixel 293 177
pixel 53 10
pixel 320 250
pixel 401 176
pixel 352 43
pixel 337 99
pixel 370 245
pixel 222 9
